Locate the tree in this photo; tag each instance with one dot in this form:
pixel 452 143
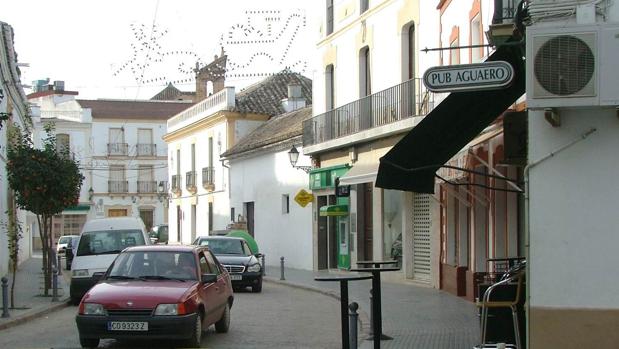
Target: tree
pixel 14 232
pixel 45 182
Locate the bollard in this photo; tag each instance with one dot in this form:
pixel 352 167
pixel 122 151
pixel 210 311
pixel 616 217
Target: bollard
pixel 353 318
pixel 371 313
pixel 5 297
pixel 58 261
pixel 54 284
pixel 264 266
pixel 281 259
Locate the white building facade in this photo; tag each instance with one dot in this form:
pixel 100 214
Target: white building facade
pixel 120 151
pixel 261 173
pixel 13 102
pixel 571 225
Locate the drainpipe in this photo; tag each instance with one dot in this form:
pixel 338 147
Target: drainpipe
pixel 527 216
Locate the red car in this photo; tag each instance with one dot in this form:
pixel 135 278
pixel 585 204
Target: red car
pixel 157 292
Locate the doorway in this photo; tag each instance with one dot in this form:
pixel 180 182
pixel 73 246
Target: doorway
pixel 147 218
pixel 249 213
pixel 365 222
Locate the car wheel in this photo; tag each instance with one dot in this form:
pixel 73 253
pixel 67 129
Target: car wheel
pixel 89 342
pixel 196 337
pixel 257 288
pixel 223 325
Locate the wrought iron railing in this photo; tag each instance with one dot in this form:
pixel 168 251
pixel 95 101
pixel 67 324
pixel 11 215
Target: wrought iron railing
pixel 117 186
pixel 190 180
pixel 396 103
pixel 146 149
pixel 208 177
pixel 118 149
pixel 147 186
pixel 176 182
pixel 504 11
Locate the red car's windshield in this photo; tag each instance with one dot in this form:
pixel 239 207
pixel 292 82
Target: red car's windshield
pixel 154 265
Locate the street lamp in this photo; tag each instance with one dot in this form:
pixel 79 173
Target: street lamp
pixel 293 156
pixel 162 192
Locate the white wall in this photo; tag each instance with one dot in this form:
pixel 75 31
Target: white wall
pixel 263 179
pixel 573 223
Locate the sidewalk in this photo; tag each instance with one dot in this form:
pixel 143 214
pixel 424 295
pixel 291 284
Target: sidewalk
pixel 415 316
pixel 28 294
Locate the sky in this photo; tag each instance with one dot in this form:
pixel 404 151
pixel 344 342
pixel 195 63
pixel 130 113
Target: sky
pixel 124 49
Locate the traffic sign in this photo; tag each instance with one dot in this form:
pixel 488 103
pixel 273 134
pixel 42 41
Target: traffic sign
pixel 469 77
pixel 303 198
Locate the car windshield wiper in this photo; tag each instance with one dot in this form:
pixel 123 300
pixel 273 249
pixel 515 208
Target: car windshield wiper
pixel 121 277
pixel 160 277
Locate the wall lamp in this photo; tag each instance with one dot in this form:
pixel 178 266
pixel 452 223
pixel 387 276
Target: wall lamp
pixel 91 193
pixel 293 156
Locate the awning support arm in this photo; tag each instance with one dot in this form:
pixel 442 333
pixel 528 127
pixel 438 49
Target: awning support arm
pixel 497 173
pixel 482 199
pixel 463 199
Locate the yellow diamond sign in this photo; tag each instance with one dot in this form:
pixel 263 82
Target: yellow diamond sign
pixel 303 198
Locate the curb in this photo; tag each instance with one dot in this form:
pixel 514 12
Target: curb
pixel 34 314
pixel 363 316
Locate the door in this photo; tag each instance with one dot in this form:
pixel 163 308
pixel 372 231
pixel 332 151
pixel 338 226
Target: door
pixel 193 222
pixel 179 223
pixel 332 236
pixel 322 234
pixel 249 213
pixel 208 292
pixel 147 218
pixel 368 222
pixel 421 237
pixel 220 295
pixel 117 212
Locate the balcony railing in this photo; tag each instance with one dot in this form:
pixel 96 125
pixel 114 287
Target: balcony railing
pixel 145 149
pixel 222 100
pixel 504 11
pixel 147 186
pixel 396 103
pixel 190 180
pixel 176 183
pixel 117 149
pixel 208 178
pixel 117 186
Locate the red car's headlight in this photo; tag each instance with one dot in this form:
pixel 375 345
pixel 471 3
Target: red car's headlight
pixel 170 309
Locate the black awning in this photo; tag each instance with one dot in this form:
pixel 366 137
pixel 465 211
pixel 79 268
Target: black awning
pixel 412 163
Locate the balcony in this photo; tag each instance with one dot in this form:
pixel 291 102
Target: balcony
pixel 117 186
pixel 208 178
pixel 117 149
pixel 222 100
pixel 147 187
pixel 146 149
pixel 397 103
pixel 176 185
pixel 190 181
pixel 504 11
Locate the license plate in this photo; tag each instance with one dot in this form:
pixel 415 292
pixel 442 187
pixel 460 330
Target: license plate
pixel 236 277
pixel 127 326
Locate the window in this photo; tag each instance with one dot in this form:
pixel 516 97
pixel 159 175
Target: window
pixel 212 264
pixel 454 53
pixel 145 146
pixel 117 182
pixel 363 5
pixel 365 85
pixel 232 214
pixel 210 151
pixel 178 162
pixel 146 183
pixel 116 144
pixel 193 222
pixel 392 224
pixel 410 49
pixel 477 38
pixel 193 157
pixel 329 17
pixel 63 143
pixel 329 88
pixel 285 204
pixel 204 269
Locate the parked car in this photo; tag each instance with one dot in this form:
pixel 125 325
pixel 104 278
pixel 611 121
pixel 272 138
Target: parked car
pixel 157 292
pixel 61 246
pixel 235 255
pixel 70 251
pixel 159 234
pixel 100 242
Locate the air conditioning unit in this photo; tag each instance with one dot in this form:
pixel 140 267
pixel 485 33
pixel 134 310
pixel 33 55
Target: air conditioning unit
pixel 572 66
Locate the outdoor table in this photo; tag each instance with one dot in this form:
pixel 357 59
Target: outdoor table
pixel 376 302
pixel 343 279
pixel 377 264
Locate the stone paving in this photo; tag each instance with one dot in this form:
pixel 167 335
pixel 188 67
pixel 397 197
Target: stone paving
pixel 29 302
pixel 415 316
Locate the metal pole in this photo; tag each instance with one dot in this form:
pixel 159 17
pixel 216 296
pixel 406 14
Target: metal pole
pixel 59 260
pixel 353 318
pixel 371 313
pixel 281 262
pixel 5 297
pixel 264 266
pixel 54 284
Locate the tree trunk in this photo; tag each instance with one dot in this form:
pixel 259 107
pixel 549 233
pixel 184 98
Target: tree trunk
pixel 14 271
pixel 45 249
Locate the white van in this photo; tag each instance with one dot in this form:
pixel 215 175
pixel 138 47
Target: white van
pixel 100 242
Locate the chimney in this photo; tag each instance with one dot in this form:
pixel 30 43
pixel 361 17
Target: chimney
pixel 59 86
pixel 295 98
